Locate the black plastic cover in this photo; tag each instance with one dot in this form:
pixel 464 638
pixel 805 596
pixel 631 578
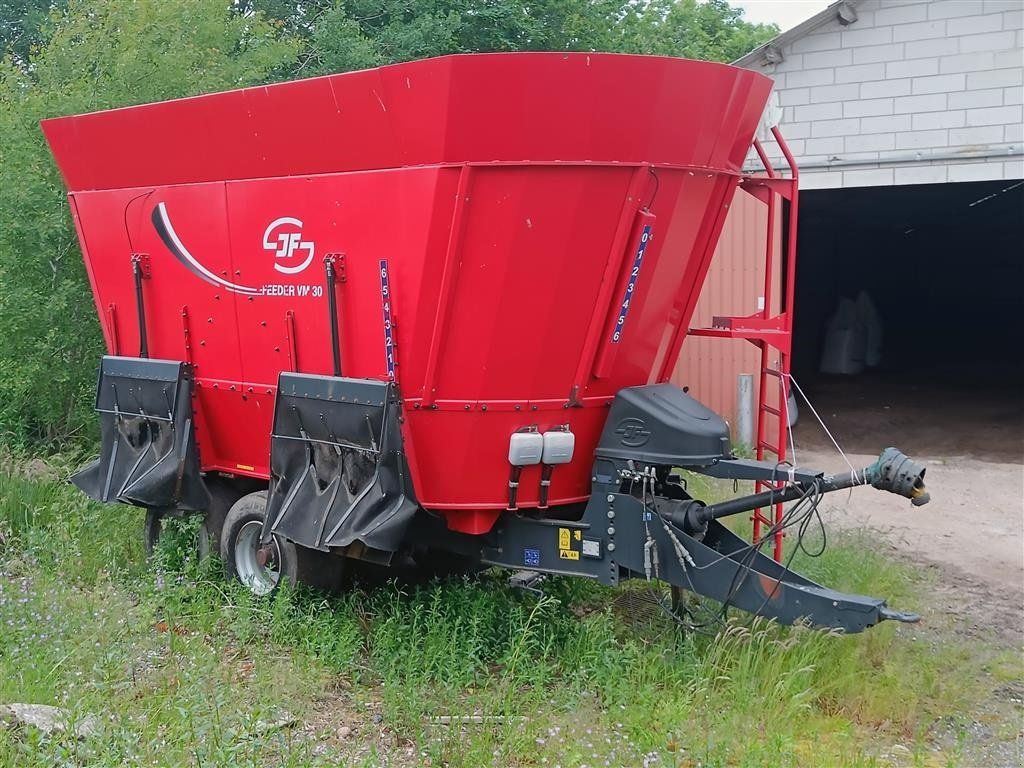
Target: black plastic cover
pixel 661 424
pixel 338 474
pixel 148 452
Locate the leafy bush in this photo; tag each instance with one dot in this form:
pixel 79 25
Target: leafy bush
pixel 96 55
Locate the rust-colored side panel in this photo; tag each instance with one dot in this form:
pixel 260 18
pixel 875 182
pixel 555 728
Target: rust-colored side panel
pixel 735 282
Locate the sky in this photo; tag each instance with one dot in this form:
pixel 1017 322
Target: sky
pixel 785 13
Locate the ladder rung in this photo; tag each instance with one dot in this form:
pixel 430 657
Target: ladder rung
pixel 768 447
pixel 771 372
pixel 772 411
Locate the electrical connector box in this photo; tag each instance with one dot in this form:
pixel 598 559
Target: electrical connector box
pixel 525 448
pixel 558 447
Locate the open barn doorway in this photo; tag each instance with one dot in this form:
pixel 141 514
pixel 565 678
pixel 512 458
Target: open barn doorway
pixel 908 318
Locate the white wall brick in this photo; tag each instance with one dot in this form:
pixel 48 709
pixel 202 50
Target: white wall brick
pixel 874 53
pixel 976 137
pixel 1011 95
pixel 992 97
pixel 929 120
pixel 997 78
pixel 792 97
pixel 810 77
pixel 921 174
pixel 820 41
pixel 921 139
pixel 823 93
pixel 797 130
pixel 888 124
pixel 993 6
pixel 833 128
pixel 900 14
pixel 912 68
pixel 815 179
pixel 859 73
pixel 930 102
pixel 944 46
pixel 993 41
pixel 797 146
pixel 973 25
pixel 945 9
pixel 1013 169
pixel 1014 133
pixel 824 59
pixel 851 37
pixel 1011 58
pixel 881 88
pixel 1013 20
pixel 867 107
pixel 832 145
pixel 938 84
pixel 874 177
pixel 924 31
pixel 967 62
pixel 871 142
pixel 792 63
pixel 994 116
pixel 976 172
pixel 829 111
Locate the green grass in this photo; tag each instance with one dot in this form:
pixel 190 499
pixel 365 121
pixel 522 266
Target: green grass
pixel 184 668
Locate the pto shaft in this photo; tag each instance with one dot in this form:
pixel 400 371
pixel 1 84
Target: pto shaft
pixel 892 472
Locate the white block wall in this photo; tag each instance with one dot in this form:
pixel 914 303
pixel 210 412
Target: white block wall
pixel 913 92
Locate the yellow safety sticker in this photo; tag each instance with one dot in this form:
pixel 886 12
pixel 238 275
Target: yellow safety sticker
pixel 565 540
pixel 247 467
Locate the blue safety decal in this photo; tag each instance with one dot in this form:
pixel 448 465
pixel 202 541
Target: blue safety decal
pixel 634 273
pixel 531 557
pixel 385 297
pixel 647 516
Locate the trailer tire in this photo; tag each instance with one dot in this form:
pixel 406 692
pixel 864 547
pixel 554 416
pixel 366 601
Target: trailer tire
pixel 291 564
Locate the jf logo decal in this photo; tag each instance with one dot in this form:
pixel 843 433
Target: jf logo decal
pixel 283 236
pixel 632 432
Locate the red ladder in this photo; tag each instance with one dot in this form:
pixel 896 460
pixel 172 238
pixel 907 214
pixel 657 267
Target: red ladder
pixel 770 332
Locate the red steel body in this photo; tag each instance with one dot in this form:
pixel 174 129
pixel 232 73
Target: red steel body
pixel 503 199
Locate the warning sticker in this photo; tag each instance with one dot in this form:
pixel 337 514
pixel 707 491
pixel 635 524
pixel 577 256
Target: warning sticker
pixel 568 544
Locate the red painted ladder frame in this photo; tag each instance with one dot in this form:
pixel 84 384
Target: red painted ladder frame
pixel 770 332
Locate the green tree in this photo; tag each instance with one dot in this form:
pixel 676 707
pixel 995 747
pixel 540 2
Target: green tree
pixel 95 55
pixel 21 23
pixel 349 34
pixel 711 30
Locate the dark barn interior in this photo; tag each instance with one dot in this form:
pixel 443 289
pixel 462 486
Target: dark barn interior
pixel 944 266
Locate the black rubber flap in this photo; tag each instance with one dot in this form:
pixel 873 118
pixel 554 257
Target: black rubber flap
pixel 661 424
pixel 337 470
pixel 148 453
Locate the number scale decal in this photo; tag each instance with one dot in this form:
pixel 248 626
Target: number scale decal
pixel 385 297
pixel 634 273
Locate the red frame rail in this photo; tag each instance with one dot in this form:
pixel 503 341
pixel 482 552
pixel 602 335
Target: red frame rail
pixel 770 331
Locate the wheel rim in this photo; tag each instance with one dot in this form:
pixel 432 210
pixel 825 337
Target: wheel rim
pixel 261 579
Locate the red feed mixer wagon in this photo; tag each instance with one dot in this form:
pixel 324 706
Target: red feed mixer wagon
pixel 431 309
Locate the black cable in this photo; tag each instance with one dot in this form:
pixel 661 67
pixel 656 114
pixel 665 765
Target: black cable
pixel 657 186
pixel 795 516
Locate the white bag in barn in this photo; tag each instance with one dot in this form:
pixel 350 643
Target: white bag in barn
pixel 845 342
pixel 870 320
